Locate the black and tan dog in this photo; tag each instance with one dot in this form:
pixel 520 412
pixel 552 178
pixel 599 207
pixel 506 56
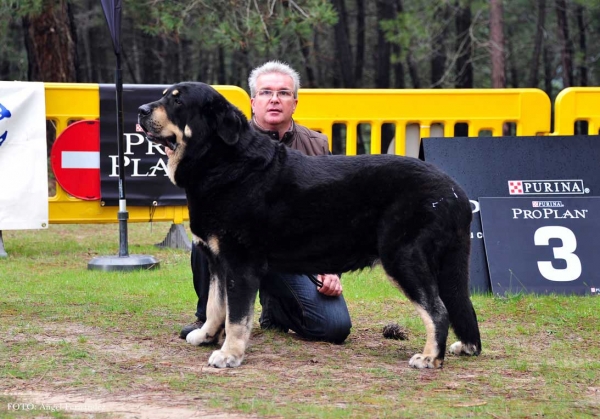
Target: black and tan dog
pixel 257 206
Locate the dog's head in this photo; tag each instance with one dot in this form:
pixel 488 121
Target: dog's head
pixel 191 118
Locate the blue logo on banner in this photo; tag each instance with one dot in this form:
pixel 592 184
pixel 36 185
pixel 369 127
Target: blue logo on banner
pixel 4 113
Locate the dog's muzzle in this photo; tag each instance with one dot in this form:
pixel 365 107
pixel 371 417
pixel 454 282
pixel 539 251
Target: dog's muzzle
pixel 145 122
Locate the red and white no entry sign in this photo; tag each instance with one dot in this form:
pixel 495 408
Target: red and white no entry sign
pixel 75 160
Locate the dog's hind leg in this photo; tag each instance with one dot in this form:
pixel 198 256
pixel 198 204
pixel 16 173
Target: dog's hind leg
pixel 409 269
pixel 241 295
pixel 453 282
pixel 216 309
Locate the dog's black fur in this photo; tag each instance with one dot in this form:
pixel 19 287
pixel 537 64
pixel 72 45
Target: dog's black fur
pixel 256 205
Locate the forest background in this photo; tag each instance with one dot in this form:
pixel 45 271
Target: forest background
pixel 546 44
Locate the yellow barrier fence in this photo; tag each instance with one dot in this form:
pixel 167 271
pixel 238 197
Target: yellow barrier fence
pixel 577 104
pixel 415 114
pixel 421 113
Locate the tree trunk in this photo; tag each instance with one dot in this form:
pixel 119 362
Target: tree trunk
pixel 310 73
pixel 548 73
pixel 385 10
pixel 497 44
pixel 222 69
pixel 88 53
pixel 135 57
pixel 464 46
pixel 583 70
pixel 398 68
pixel 343 51
pixel 537 45
pixel 438 46
pixel 513 71
pixel 51 44
pixel 129 67
pixel 360 41
pixel 12 67
pixel 413 71
pixel 317 52
pixel 396 51
pixel 151 63
pixel 165 62
pixel 565 43
pixel 180 59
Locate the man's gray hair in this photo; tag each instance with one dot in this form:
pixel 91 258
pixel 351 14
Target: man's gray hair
pixel 273 67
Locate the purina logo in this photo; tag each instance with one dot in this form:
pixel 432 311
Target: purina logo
pixel 547 187
pixel 547 204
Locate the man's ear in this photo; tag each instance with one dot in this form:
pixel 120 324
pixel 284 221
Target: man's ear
pixel 229 126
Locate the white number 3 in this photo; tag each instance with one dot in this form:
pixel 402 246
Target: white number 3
pixel 542 237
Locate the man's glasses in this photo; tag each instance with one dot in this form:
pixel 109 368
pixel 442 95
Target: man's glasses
pixel 282 94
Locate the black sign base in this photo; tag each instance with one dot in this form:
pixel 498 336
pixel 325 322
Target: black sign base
pixel 123 263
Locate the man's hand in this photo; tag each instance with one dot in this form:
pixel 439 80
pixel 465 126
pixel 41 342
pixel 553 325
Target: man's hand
pixel 331 285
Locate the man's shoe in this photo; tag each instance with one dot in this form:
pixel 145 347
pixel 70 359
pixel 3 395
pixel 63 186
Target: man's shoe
pixel 190 327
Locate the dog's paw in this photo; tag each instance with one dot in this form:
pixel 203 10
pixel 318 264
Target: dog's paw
pixel 422 361
pixel 459 348
pixel 199 337
pixel 222 359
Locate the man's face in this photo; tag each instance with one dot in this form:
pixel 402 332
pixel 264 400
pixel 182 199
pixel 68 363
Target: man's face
pixel 274 110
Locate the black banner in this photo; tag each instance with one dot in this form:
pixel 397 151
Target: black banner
pixel 537 166
pixel 146 177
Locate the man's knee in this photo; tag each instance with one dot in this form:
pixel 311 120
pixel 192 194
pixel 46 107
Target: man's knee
pixel 337 332
pixel 334 329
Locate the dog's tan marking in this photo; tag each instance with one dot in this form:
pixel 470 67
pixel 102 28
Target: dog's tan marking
pixel 216 306
pixel 187 131
pixel 216 312
pixel 213 245
pixel 197 240
pixel 175 92
pixel 167 129
pixel 430 345
pixel 237 336
pixel 429 357
pixel 165 91
pixel 174 160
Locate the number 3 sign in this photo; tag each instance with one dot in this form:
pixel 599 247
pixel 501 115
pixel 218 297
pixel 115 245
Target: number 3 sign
pixel 542 245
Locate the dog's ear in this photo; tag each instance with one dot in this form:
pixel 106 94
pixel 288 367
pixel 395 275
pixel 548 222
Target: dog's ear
pixel 230 126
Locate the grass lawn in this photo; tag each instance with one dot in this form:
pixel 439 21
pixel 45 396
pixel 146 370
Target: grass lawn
pixel 80 343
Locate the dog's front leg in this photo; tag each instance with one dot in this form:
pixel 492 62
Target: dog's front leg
pixel 241 295
pixel 215 314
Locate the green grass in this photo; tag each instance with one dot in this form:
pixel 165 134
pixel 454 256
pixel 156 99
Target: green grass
pixel 109 335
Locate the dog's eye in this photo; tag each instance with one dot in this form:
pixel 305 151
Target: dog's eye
pixel 177 101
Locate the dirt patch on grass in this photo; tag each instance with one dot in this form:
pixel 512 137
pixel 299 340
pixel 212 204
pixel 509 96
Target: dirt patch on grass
pixel 114 371
pixel 129 406
pixel 105 353
pixel 157 377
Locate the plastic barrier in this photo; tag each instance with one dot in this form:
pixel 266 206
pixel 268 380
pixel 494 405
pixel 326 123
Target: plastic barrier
pixel 577 104
pixel 415 114
pixel 420 113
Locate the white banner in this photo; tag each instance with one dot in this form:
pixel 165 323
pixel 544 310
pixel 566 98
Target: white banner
pixel 23 156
